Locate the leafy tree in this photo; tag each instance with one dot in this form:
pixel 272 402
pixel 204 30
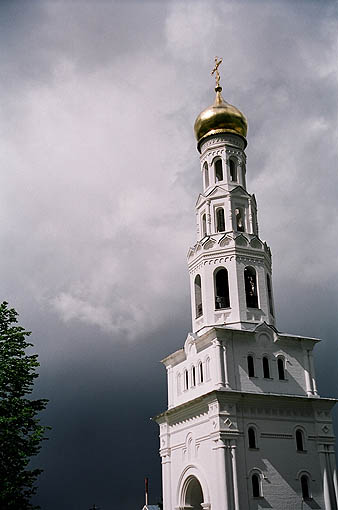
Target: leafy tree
pixel 20 430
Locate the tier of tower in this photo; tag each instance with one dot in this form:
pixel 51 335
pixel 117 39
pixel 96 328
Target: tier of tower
pixel 230 267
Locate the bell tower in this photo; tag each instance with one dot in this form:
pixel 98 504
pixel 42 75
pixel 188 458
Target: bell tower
pixel 245 427
pixel 230 267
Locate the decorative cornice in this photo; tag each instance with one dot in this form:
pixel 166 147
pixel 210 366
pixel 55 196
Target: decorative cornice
pixel 223 139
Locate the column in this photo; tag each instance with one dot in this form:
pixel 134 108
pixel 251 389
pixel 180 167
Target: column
pixel 219 360
pixel 307 374
pixel 166 479
pixel 334 475
pixel 327 481
pixel 230 226
pixel 312 370
pixel 170 386
pixel 208 218
pixel 326 490
pixel 251 229
pixel 225 363
pixel 234 473
pixel 222 483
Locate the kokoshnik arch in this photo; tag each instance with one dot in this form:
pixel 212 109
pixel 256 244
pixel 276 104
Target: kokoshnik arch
pixel 245 427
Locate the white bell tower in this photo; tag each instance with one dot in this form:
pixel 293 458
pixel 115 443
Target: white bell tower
pixel 230 267
pixel 245 427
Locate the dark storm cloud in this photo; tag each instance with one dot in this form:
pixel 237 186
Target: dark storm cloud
pixel 99 178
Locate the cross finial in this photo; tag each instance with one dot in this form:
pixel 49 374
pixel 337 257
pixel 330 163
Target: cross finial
pixel 218 61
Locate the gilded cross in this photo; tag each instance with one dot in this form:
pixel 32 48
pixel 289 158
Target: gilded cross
pixel 215 70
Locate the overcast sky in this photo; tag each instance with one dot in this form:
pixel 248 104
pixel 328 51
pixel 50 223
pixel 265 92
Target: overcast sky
pixel 99 176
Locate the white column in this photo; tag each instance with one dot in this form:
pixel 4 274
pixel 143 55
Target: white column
pixel 219 360
pixel 222 483
pixel 225 363
pixel 208 218
pixel 307 374
pixel 334 476
pixel 326 488
pixel 166 480
pixel 230 226
pixel 251 229
pixel 170 385
pixel 234 474
pixel 312 370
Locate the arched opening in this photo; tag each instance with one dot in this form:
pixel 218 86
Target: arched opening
pixel 206 175
pixel 281 369
pixel 239 215
pixel 268 284
pixel 252 438
pixel 251 366
pixel 222 298
pixel 218 170
pixel 251 287
pixel 193 376
pixel 256 489
pixel 194 495
pixel 220 222
pixel 204 225
pixel 233 170
pixel 299 440
pixel 304 481
pixel 266 368
pixel 198 296
pixel 200 370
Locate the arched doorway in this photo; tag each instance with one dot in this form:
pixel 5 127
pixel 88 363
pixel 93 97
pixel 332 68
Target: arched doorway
pixel 193 495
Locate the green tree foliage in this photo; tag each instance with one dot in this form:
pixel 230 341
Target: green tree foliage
pixel 20 430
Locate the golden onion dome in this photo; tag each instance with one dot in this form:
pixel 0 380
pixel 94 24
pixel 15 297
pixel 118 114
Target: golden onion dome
pixel 221 117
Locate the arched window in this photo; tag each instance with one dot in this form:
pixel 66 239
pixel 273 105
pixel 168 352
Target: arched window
pixel 178 384
pixel 250 281
pixel 256 485
pixel 281 370
pixel 239 214
pixel 186 380
pixel 222 298
pixel 300 440
pixel 206 174
pixel 200 372
pixel 304 481
pixel 198 296
pixel 220 219
pixel 251 366
pixel 252 438
pixel 204 225
pixel 193 376
pixel 266 368
pixel 207 369
pixel 233 169
pixel 268 284
pixel 218 170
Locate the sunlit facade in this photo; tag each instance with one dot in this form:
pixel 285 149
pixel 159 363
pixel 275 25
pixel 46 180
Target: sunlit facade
pixel 245 427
